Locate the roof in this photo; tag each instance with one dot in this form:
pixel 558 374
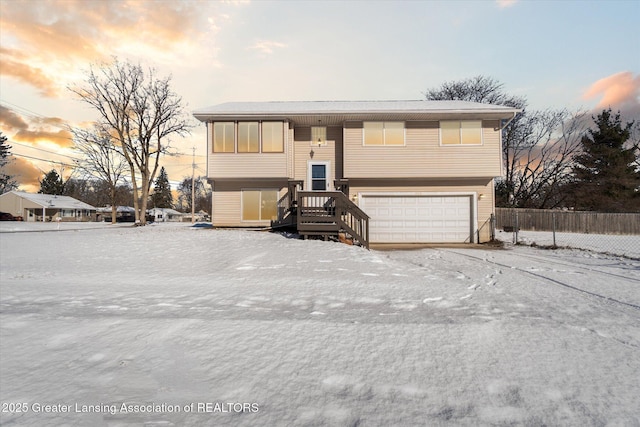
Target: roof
pixel 122 209
pixel 168 211
pixel 53 201
pixel 298 108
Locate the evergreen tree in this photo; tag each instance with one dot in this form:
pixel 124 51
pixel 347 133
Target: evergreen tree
pixel 6 181
pixel 52 183
pixel 605 176
pixel 162 197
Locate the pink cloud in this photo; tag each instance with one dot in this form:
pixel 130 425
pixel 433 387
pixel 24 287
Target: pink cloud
pixel 618 90
pixel 505 3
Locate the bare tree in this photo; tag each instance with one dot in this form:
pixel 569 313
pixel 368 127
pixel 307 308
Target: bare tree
pixel 101 159
pixel 538 158
pixel 537 146
pixel 202 194
pixel 141 112
pixel 482 89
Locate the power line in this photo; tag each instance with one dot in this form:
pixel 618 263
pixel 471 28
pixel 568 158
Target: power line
pixel 44 160
pixel 42 149
pixel 33 114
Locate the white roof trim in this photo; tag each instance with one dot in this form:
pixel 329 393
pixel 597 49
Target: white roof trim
pixel 297 108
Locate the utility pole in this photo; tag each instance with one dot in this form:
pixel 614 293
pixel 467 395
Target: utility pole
pixel 193 187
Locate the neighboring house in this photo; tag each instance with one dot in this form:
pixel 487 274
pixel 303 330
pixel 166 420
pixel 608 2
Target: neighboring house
pixel 197 217
pixel 165 215
pixel 46 207
pixel 123 214
pixel 377 171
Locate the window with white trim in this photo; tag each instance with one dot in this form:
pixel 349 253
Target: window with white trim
pixel 461 132
pixel 383 133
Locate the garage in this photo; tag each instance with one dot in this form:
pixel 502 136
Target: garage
pixel 419 218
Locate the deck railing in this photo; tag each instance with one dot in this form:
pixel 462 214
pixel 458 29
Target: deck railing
pixel 331 212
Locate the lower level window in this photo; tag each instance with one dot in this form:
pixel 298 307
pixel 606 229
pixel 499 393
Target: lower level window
pixel 259 205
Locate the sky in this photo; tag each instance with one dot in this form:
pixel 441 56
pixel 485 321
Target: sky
pixel 558 54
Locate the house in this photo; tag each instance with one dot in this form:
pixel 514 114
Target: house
pixel 123 214
pixel 199 216
pixel 376 171
pixel 46 207
pixel 165 215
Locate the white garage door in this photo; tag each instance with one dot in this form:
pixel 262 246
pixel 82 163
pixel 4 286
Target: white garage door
pixel 418 219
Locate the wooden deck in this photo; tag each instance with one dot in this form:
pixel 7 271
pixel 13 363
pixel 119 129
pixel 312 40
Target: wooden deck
pixel 328 214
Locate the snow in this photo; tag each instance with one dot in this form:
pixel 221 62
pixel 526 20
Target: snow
pixel 190 327
pixel 625 245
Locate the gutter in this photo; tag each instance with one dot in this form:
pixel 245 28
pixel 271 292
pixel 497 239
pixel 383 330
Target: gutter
pixel 515 113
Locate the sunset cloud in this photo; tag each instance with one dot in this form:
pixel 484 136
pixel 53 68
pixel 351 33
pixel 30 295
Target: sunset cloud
pixel 621 90
pixel 26 173
pixel 60 138
pixel 10 121
pixel 48 44
pixel 35 130
pixel 37 144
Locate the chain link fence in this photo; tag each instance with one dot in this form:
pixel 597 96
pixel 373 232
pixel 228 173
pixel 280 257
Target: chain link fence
pixel 611 233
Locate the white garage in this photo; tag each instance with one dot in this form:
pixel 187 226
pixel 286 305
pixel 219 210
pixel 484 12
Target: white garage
pixel 398 218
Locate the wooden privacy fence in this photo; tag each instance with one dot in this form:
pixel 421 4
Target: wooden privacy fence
pixel 568 221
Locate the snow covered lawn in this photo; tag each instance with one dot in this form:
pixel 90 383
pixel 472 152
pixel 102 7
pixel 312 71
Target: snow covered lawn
pixel 624 245
pixel 166 325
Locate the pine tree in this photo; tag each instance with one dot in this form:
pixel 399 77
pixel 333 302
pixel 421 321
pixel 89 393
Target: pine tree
pixel 52 183
pixel 6 181
pixel 605 177
pixel 162 197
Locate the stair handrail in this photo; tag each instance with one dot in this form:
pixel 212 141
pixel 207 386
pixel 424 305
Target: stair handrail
pixel 342 207
pixel 362 219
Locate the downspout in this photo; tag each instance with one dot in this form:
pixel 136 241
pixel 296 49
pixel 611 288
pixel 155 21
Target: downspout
pixel 515 113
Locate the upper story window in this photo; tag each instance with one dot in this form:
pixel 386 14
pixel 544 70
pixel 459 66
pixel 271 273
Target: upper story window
pixel 318 135
pixel 248 137
pixel 383 133
pixel 272 137
pixel 224 137
pixel 461 132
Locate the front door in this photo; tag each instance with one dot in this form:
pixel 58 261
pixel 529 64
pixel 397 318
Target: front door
pixel 318 176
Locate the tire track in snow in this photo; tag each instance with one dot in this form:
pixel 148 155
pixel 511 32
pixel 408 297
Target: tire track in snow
pixel 591 270
pixel 550 279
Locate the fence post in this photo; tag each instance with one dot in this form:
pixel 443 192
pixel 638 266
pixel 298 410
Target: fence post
pixel 516 229
pixel 492 227
pixel 553 220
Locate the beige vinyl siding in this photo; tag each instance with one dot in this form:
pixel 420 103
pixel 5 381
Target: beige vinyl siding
pixel 422 155
pixel 227 201
pixel 479 186
pixel 331 152
pixel 16 205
